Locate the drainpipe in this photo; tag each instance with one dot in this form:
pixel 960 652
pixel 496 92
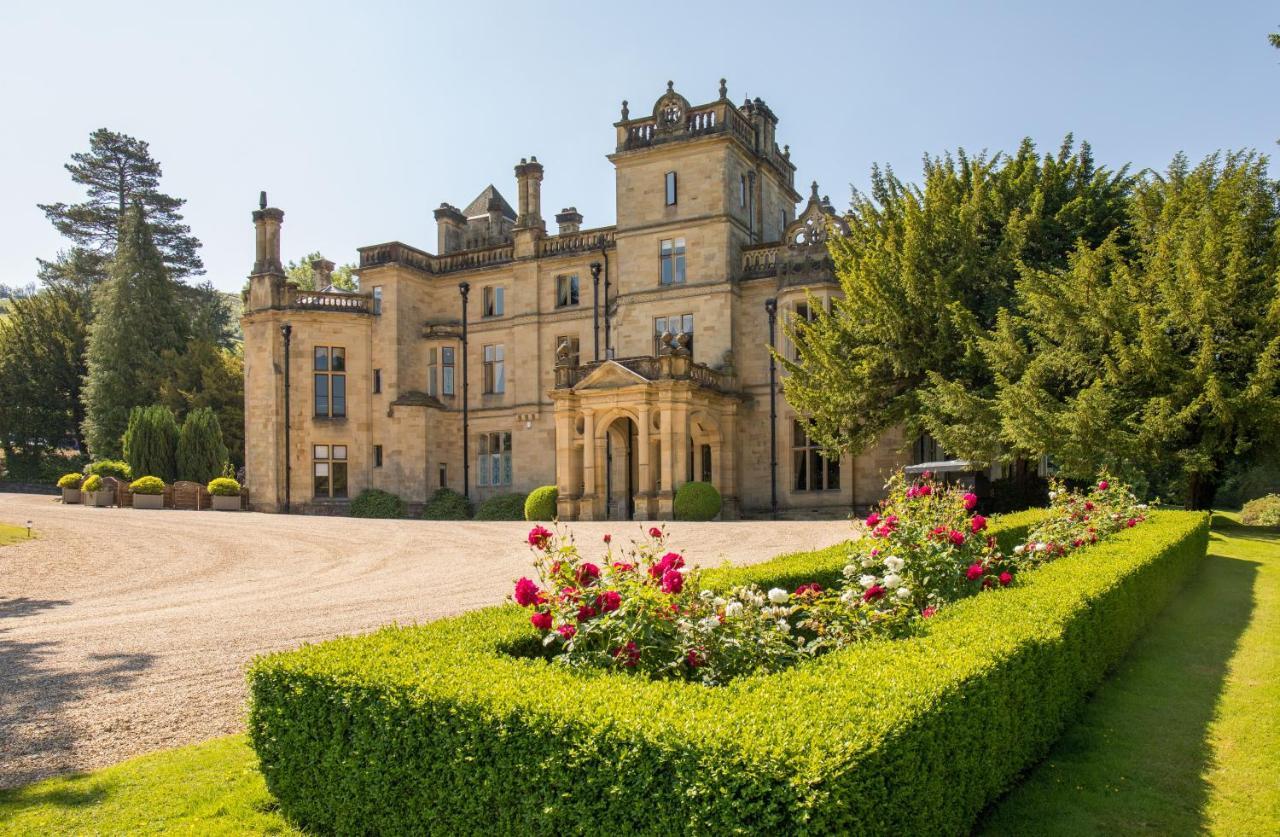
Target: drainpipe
pixel 607 350
pixel 771 308
pixel 464 288
pixel 286 331
pixel 595 306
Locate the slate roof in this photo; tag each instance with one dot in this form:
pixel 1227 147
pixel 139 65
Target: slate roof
pixel 480 206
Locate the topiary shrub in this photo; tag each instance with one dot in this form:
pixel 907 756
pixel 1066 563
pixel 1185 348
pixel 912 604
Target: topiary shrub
pixel 147 485
pixel 201 451
pixel 92 483
pixel 111 468
pixel 697 501
pixel 502 507
pixel 70 480
pixel 1264 511
pixel 447 504
pixel 151 441
pixel 541 503
pixel 223 487
pixel 374 502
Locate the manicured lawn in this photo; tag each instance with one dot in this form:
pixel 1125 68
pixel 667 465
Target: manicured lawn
pixel 1183 738
pixel 12 534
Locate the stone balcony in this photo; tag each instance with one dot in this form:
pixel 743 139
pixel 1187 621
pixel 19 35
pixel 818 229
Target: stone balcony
pixel 672 366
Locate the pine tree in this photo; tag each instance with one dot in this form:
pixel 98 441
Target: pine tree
pixel 201 451
pixel 117 172
pixel 151 442
pixel 137 319
pixel 204 375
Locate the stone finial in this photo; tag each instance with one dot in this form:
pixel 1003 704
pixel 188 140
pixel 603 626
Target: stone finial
pixel 262 199
pixel 814 187
pixel 786 152
pixel 323 269
pixel 671 86
pixel 724 89
pixel 682 344
pixel 626 111
pixel 664 343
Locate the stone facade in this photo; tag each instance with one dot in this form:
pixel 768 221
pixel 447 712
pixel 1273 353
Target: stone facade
pixel 615 362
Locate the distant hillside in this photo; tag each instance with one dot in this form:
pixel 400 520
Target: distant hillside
pixel 234 306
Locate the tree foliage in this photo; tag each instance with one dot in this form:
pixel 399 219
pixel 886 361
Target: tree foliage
pixel 201 451
pixel 302 273
pixel 151 442
pixel 137 319
pixel 205 375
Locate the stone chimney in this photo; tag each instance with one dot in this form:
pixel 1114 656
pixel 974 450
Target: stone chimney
pixel 569 219
pixel 451 224
pixel 529 177
pixel 267 221
pixel 323 269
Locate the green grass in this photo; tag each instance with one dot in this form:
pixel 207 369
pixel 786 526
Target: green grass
pixel 13 534
pixel 1183 738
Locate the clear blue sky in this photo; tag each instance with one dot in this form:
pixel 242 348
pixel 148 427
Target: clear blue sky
pixel 360 118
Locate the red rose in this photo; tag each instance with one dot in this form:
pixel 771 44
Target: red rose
pixel 873 520
pixel 1103 486
pixel 566 631
pixel 672 581
pixel 527 592
pixel 926 490
pixel 880 532
pixel 974 572
pixel 623 566
pixel 1131 523
pixel 609 601
pixel 541 620
pixel 977 523
pixel 587 573
pixel 970 501
pixel 608 538
pixel 586 612
pixel 693 658
pixel 1088 505
pixel 539 537
pixel 569 594
pixel 875 591
pixel 805 589
pixel 655 532
pixel 629 654
pixel 986 582
pixel 1006 578
pixel 928 611
pixel 1078 542
pixel 956 537
pixel 891 521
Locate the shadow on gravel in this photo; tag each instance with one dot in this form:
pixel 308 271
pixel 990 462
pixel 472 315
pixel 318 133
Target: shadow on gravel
pixel 36 737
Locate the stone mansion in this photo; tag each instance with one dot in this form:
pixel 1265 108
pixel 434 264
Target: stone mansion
pixel 614 362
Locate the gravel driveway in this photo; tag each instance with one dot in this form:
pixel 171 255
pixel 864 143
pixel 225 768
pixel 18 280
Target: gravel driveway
pixel 124 631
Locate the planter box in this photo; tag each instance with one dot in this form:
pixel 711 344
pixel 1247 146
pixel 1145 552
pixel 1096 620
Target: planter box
pixel 71 496
pixel 99 499
pixel 224 503
pixel 148 501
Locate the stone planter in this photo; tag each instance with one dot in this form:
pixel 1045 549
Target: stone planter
pixel 70 496
pixel 99 499
pixel 148 501
pixel 224 503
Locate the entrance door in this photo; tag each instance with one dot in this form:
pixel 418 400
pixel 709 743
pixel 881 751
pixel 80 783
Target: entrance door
pixel 621 469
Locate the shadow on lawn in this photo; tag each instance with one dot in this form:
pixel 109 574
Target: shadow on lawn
pixel 37 739
pixel 1137 757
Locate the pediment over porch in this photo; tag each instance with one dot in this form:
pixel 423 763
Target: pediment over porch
pixel 609 374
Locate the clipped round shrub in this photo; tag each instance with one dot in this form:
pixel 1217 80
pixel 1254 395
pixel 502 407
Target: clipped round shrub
pixel 92 483
pixel 541 503
pixel 147 485
pixel 111 468
pixel 447 504
pixel 1264 511
pixel 70 480
pixel 374 502
pixel 223 487
pixel 697 501
pixel 502 507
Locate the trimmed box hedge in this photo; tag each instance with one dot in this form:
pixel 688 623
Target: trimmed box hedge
pixel 440 729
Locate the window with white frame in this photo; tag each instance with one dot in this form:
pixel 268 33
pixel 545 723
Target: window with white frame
pixel 566 290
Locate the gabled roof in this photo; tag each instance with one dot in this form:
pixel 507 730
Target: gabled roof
pixel 480 206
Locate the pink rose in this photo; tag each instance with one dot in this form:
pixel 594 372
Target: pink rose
pixel 1131 523
pixel 1006 578
pixel 880 532
pixel 693 658
pixel 974 572
pixel 891 521
pixel 541 620
pixel 928 611
pixel 566 631
pixel 527 592
pixel 672 581
pixel 587 573
pixel 873 520
pixel 609 601
pixel 956 537
pixel 1103 485
pixel 926 490
pixel 539 537
pixel 928 475
pixel 655 532
pixel 977 523
pixel 623 566
pixel 970 501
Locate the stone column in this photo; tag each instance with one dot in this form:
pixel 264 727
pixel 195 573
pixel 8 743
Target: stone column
pixel 644 468
pixel 726 465
pixel 587 506
pixel 665 495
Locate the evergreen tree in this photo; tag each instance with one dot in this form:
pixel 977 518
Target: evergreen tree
pixel 201 451
pixel 204 375
pixel 118 171
pixel 1161 360
pixel 151 442
pixel 925 271
pixel 137 319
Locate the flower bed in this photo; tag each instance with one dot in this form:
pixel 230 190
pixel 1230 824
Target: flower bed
pixel 444 728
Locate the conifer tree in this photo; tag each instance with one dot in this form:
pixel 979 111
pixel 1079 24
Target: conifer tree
pixel 137 319
pixel 151 442
pixel 201 451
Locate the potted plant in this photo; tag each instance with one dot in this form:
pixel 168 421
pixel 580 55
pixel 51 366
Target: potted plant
pixel 94 492
pixel 225 494
pixel 148 493
pixel 70 485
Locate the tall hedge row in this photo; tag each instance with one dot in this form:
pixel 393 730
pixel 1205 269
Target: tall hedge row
pixel 442 729
pixel 201 451
pixel 151 442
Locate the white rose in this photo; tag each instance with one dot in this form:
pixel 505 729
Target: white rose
pixel 783 626
pixel 867 580
pixel 904 593
pixel 849 597
pixel 894 563
pixel 778 596
pixel 706 595
pixel 868 562
pixel 711 622
pixel 892 580
pixel 1053 495
pixel 1019 549
pixel 733 610
pixel 1041 547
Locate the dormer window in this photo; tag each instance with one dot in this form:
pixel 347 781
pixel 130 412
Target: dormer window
pixel 671 188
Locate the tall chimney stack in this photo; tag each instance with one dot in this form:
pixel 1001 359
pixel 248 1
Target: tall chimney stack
pixel 569 220
pixel 529 177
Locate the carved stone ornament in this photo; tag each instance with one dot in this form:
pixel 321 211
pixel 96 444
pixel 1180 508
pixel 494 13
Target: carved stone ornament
pixel 670 110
